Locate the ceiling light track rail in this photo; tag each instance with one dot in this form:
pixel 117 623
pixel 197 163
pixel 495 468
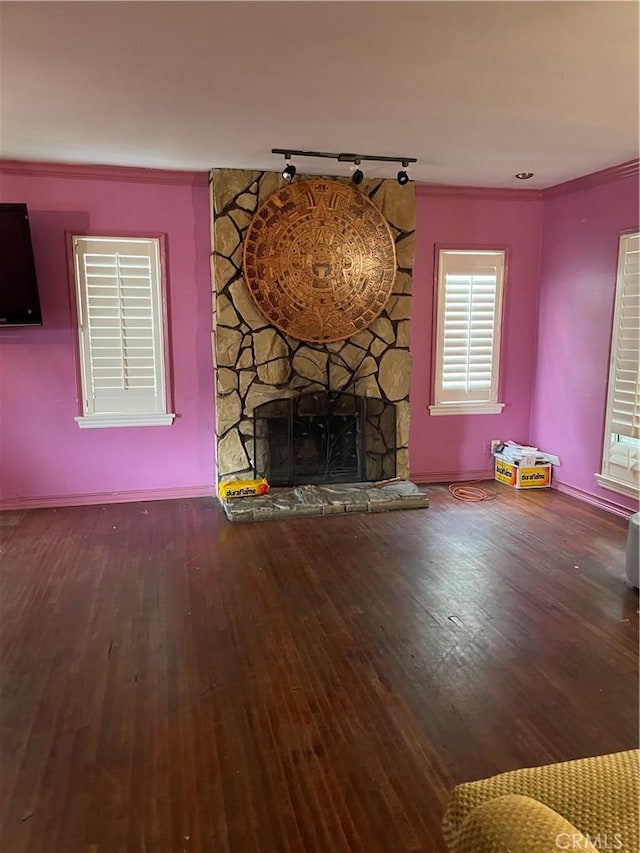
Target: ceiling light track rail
pixel 289 171
pixel 288 153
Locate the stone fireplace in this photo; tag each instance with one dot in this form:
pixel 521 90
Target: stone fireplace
pixel 340 409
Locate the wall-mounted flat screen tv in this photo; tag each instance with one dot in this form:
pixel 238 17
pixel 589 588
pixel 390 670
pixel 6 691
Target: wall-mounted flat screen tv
pixel 19 301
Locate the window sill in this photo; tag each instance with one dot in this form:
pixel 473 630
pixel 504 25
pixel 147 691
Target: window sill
pixel 102 421
pixel 618 486
pixel 466 409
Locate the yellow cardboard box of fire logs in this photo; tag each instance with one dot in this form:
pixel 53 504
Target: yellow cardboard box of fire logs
pixel 242 488
pixel 531 477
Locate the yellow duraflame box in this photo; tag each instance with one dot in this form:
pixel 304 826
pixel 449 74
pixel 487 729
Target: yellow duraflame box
pixel 535 477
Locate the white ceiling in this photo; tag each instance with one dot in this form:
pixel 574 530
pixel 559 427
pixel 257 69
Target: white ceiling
pixel 477 91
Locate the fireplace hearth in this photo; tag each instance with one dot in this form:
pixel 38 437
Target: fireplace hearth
pixel 324 438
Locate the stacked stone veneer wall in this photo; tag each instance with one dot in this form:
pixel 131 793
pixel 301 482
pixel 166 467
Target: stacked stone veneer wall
pixel 254 362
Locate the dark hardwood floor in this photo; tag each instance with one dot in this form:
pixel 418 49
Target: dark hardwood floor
pixel 171 682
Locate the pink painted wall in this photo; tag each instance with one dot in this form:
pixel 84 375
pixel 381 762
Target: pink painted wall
pixel 441 447
pixel 582 224
pixel 44 453
pixel 554 392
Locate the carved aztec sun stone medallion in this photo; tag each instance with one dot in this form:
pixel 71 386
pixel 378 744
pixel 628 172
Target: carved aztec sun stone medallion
pixel 319 260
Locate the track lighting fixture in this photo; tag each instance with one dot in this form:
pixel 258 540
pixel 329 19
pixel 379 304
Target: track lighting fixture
pixel 357 175
pixel 403 176
pixel 289 171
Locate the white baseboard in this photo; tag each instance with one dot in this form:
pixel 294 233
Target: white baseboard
pixel 594 500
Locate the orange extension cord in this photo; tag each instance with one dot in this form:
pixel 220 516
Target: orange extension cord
pixel 470 492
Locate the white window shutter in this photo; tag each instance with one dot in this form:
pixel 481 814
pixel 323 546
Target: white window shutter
pixel 120 317
pixel 470 287
pixel 624 388
pixel 621 452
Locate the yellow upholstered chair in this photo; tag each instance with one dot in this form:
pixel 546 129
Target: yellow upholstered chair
pixel 587 805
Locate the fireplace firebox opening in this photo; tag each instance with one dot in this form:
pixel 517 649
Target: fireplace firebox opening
pixel 324 437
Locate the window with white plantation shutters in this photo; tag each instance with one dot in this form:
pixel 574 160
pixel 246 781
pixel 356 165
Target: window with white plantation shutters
pixel 468 326
pixel 621 453
pixel 120 324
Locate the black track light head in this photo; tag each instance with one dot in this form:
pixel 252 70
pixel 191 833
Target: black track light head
pixel 289 172
pixel 403 177
pixel 358 176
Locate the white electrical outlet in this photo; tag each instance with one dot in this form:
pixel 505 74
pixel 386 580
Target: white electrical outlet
pixel 494 444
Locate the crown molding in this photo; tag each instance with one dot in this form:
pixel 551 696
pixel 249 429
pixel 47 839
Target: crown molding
pixel 629 169
pixel 605 176
pixel 83 171
pixel 133 174
pixel 499 193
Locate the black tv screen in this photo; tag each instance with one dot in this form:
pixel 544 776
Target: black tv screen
pixel 19 301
